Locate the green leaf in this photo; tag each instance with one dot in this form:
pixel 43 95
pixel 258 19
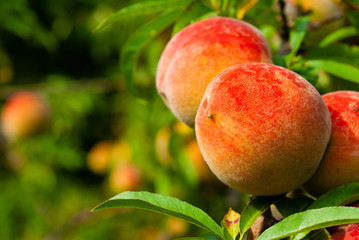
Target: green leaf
pixel 354 18
pixel 311 220
pixel 296 37
pixel 226 234
pixel 342 195
pixel 279 60
pixel 132 48
pixel 338 35
pixel 342 70
pixel 288 206
pixel 194 11
pixel 319 234
pixel 253 210
pixel 163 204
pixel 143 8
pixel 338 52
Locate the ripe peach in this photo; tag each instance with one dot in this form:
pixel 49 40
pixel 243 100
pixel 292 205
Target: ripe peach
pixel 198 53
pixel 262 129
pixel 24 114
pixel 340 164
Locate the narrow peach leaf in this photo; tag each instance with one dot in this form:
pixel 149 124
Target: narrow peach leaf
pixel 163 204
pixel 342 195
pixel 141 9
pixel 311 220
pixel 342 70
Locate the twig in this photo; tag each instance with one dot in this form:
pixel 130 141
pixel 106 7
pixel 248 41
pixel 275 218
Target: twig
pixel 285 27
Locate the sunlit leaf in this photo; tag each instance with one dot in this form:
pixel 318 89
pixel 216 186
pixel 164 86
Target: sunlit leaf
pixel 339 35
pixel 163 204
pixel 248 4
pixel 342 70
pixel 143 8
pixel 337 52
pixel 311 220
pixel 296 37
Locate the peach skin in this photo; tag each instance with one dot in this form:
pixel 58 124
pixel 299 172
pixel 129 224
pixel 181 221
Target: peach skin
pixel 340 164
pixel 262 129
pixel 198 53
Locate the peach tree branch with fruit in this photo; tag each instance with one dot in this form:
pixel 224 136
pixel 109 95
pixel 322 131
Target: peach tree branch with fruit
pixel 262 128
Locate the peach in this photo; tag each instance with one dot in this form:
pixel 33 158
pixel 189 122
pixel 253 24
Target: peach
pixel 125 177
pixel 98 158
pixel 198 53
pixel 24 114
pixel 340 164
pixel 262 129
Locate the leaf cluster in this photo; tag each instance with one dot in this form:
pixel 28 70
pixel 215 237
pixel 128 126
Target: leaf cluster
pixel 303 217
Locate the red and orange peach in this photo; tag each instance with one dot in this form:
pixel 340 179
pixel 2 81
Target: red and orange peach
pixel 262 129
pixel 198 53
pixel 340 164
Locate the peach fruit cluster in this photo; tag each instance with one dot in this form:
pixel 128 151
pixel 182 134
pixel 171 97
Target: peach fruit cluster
pixel 262 129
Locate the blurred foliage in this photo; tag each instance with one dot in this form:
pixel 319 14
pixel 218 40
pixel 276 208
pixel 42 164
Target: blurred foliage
pixel 52 48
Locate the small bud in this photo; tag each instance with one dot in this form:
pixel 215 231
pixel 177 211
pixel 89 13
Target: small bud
pixel 231 222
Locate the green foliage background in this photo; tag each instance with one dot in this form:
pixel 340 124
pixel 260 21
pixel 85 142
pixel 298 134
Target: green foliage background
pixel 86 76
